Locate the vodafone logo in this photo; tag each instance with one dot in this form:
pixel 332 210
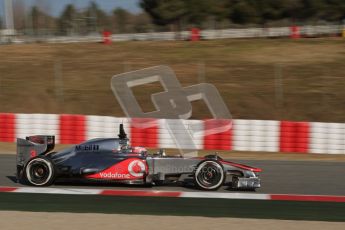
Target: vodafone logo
pixel 136 168
pixel 114 175
pixel 129 169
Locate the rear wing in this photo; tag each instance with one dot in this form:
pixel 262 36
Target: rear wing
pixel 33 146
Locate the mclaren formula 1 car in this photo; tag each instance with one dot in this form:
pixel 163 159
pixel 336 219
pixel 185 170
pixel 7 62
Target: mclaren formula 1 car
pixel 114 160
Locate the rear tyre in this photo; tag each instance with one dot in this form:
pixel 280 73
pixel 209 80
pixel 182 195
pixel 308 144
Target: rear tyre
pixel 209 175
pixel 39 171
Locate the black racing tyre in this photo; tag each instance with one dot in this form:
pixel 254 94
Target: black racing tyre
pixel 40 171
pixel 159 182
pixel 209 175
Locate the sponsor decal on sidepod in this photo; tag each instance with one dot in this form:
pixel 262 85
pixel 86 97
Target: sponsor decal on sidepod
pixel 114 175
pixel 125 170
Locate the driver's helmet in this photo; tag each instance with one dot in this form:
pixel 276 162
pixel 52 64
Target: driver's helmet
pixel 139 150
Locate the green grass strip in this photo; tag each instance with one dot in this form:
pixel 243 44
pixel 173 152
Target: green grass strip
pixel 262 209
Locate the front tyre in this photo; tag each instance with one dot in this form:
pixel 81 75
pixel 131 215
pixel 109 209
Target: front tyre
pixel 39 171
pixel 209 175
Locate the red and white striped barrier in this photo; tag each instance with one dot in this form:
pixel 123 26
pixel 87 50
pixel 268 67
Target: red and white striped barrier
pixel 293 32
pixel 157 193
pixel 239 135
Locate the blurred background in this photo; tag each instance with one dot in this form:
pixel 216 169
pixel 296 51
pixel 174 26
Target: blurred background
pixel 270 59
pixel 71 17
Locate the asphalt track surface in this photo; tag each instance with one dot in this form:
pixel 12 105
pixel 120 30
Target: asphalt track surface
pixel 278 177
